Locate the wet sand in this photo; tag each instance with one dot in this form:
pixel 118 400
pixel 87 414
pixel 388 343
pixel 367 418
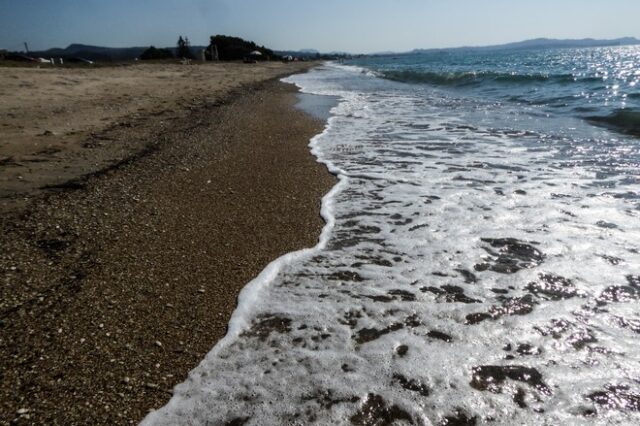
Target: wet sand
pixel 116 284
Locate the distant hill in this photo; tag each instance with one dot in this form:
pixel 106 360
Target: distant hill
pixel 314 54
pixel 99 53
pixel 304 53
pixel 94 53
pixel 545 43
pixel 585 42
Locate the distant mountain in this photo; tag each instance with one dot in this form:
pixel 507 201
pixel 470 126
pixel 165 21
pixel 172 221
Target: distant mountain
pixel 585 42
pixel 545 43
pixel 384 53
pixel 304 53
pixel 99 53
pixel 94 53
pixel 314 54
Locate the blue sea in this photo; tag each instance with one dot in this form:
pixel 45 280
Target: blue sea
pixel 601 85
pixel 481 258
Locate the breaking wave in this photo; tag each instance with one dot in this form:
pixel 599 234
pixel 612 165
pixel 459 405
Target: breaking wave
pixel 479 78
pixel 622 120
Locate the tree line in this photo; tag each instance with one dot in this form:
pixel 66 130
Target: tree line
pixel 220 47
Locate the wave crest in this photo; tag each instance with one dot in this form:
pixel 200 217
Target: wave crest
pixel 473 78
pixel 626 120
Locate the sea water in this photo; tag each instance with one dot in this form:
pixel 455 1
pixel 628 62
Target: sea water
pixel 480 262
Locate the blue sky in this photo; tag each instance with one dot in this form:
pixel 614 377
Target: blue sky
pixel 327 25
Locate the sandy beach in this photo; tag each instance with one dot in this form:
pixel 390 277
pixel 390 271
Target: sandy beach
pixel 57 124
pixel 136 203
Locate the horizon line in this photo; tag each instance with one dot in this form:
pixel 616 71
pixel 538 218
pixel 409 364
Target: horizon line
pixel 469 46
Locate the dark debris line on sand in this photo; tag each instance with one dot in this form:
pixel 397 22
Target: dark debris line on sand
pixel 114 291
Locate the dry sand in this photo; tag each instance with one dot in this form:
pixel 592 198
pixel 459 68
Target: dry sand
pixel 116 286
pixel 60 123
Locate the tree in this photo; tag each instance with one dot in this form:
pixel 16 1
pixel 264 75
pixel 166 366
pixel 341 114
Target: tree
pixel 184 49
pixel 154 53
pixel 234 48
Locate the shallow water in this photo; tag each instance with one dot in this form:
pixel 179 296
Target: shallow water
pixel 480 264
pixel 317 106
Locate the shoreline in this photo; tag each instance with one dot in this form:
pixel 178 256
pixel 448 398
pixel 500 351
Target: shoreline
pixel 105 306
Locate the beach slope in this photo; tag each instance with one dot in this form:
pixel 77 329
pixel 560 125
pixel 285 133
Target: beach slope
pixel 120 276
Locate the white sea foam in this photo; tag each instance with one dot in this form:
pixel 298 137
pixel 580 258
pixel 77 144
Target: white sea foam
pixel 469 268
